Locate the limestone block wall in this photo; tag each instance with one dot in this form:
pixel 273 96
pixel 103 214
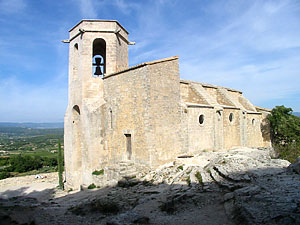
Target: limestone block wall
pixel 219 128
pixel 254 130
pixel 72 148
pixel 92 128
pixel 143 103
pixel 165 111
pixel 231 123
pixel 201 128
pixel 127 113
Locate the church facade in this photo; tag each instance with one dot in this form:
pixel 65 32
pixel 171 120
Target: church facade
pixel 144 114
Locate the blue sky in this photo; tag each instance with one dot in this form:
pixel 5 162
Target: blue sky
pixel 252 46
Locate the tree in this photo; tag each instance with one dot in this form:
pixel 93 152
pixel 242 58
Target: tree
pixel 285 131
pixel 60 167
pixel 25 163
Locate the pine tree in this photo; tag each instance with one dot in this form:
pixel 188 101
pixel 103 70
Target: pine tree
pixel 60 167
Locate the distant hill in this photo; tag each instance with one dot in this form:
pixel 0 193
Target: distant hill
pixel 33 125
pixel 296 114
pixel 27 131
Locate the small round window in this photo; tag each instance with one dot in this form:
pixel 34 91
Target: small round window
pixel 231 117
pixel 201 119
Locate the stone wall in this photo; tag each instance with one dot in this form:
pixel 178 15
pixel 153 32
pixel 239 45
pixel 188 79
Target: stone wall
pixel 231 123
pixel 165 111
pixel 143 102
pixel 200 129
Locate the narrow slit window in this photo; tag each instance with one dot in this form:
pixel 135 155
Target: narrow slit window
pixel 111 119
pixel 128 145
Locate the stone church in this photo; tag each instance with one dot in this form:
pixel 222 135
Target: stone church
pixel 144 114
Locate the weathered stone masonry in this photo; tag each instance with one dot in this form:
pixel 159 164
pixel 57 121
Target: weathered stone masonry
pixel 144 114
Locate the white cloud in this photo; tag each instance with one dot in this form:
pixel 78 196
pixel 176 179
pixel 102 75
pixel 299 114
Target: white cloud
pixel 87 9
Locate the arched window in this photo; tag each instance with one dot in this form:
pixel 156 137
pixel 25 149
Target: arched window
pixel 76 109
pixel 99 57
pixel 76 114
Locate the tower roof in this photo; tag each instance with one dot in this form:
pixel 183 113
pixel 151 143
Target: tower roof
pixel 94 20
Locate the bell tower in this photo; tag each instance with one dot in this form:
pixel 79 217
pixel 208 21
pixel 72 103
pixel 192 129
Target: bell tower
pixel 96 48
pixel 101 39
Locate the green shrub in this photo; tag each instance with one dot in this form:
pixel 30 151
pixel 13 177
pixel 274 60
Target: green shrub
pixel 288 152
pixel 4 162
pixel 4 175
pixel 285 132
pixel 98 172
pixel 92 186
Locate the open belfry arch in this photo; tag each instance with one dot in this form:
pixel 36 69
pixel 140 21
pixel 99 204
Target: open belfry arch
pixel 143 115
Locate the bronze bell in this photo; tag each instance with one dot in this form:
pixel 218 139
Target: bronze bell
pixel 98 71
pixel 98 65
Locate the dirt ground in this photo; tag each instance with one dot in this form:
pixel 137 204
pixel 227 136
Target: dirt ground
pixel 27 200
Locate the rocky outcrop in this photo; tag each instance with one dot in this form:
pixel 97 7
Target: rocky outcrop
pixel 262 190
pixel 240 186
pixel 295 167
pixel 259 189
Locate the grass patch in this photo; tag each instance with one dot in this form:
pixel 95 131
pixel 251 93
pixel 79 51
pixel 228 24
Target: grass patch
pixel 199 177
pixel 188 181
pixel 92 186
pixel 105 206
pixel 168 207
pixel 180 167
pixel 98 172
